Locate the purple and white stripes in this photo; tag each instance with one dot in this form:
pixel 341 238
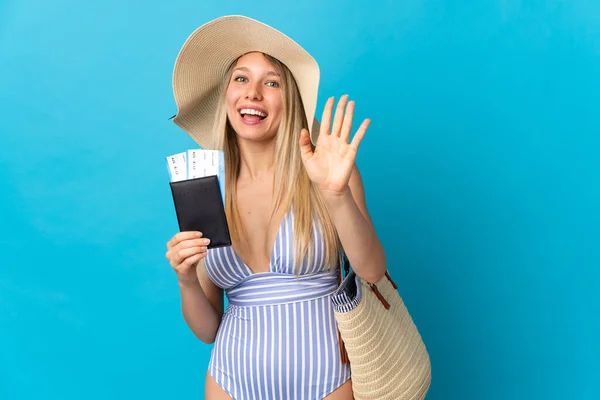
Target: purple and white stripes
pixel 278 338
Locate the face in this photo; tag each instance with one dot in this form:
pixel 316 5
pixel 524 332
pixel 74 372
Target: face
pixel 254 98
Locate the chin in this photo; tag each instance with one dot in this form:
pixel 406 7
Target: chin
pixel 256 137
pixel 254 134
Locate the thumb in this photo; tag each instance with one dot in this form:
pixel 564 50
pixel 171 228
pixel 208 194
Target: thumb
pixel 304 142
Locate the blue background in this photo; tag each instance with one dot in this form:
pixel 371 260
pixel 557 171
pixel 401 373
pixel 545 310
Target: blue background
pixel 481 168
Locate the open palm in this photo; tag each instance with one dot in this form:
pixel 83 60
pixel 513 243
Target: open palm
pixel 330 164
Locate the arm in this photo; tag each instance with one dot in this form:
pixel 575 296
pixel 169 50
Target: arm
pixel 202 305
pixel 201 300
pixel 331 166
pixel 357 234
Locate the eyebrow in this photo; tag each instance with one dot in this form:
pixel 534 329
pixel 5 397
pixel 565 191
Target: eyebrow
pixel 247 70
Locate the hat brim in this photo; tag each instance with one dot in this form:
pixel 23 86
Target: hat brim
pixel 208 52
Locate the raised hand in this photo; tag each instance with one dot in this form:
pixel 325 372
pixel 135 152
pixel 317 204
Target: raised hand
pixel 330 164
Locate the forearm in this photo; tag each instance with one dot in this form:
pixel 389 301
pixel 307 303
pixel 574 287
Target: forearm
pixel 201 317
pixel 358 237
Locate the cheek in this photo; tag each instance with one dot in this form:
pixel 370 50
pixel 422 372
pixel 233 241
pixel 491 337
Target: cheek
pixel 279 111
pixel 277 106
pixel 231 100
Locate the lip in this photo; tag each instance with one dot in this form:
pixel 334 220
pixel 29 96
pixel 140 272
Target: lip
pixel 252 123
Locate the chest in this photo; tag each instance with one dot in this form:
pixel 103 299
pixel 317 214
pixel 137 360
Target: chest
pixel 255 203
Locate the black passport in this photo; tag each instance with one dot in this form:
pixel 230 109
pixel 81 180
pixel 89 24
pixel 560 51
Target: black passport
pixel 199 207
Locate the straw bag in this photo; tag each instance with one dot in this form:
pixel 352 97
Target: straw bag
pixel 379 339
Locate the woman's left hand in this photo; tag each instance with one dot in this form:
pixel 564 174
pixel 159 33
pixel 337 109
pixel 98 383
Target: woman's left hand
pixel 330 164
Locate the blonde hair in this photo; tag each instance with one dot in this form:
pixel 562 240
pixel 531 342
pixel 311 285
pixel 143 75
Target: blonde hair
pixel 292 187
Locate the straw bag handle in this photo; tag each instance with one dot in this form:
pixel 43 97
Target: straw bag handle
pixel 345 265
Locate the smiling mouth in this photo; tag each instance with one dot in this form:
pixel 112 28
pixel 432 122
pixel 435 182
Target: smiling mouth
pixel 252 115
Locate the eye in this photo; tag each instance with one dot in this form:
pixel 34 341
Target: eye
pixel 240 79
pixel 273 84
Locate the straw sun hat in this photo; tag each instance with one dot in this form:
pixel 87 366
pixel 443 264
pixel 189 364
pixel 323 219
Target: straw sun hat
pixel 203 60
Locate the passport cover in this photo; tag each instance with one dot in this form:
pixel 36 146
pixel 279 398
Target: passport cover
pixel 199 207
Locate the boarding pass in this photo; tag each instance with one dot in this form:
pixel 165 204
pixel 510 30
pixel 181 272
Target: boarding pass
pixel 196 163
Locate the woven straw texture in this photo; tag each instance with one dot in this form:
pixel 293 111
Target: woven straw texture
pixel 388 358
pixel 205 57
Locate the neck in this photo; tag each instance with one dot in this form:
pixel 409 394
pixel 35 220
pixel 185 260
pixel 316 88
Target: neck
pixel 257 159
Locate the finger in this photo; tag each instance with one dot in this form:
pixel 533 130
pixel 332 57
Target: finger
pixel 326 118
pixel 193 259
pixel 178 237
pixel 188 262
pixel 174 255
pixel 184 244
pixel 304 142
pixel 358 136
pixel 339 115
pixel 347 126
pixel 183 254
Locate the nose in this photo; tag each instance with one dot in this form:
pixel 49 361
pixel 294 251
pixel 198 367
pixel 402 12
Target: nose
pixel 253 91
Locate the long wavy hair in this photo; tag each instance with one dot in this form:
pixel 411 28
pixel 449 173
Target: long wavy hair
pixel 292 187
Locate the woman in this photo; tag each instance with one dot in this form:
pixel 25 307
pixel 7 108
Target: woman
pixel 293 200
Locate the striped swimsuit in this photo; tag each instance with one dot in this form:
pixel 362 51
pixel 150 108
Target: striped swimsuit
pixel 278 338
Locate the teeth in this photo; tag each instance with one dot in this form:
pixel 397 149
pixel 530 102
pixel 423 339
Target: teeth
pixel 252 112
